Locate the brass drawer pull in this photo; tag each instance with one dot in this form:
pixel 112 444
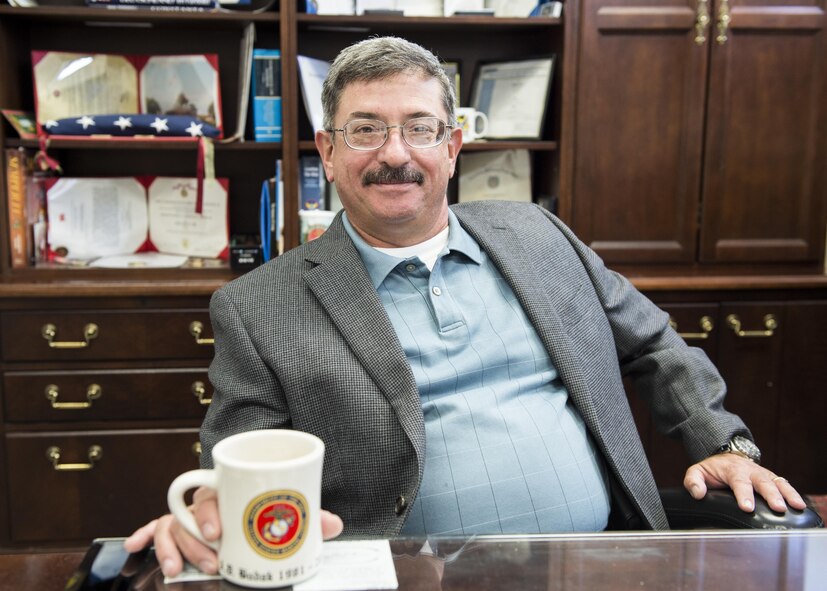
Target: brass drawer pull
pixel 196 328
pixel 93 392
pixel 53 453
pixel 196 449
pixel 199 390
pixel 49 332
pixel 701 21
pixel 705 323
pixel 770 324
pixel 723 21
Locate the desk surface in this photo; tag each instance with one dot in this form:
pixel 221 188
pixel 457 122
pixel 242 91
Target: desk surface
pixel 753 560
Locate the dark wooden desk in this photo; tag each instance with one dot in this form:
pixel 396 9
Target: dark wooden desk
pixel 754 560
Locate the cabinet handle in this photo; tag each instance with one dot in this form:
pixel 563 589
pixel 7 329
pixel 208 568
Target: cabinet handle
pixel 93 392
pixel 53 453
pixel 199 390
pixel 723 21
pixel 196 449
pixel 196 328
pixel 49 332
pixel 770 324
pixel 701 21
pixel 705 323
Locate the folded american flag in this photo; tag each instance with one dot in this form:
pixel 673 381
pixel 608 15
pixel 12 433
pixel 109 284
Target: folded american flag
pixel 126 125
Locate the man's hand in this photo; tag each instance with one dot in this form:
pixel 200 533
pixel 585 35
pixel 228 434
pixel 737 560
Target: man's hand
pixel 173 544
pixel 745 478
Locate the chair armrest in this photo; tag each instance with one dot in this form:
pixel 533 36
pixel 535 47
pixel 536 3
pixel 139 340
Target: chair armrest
pixel 719 510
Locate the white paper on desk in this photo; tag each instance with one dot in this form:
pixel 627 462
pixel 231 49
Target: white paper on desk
pixel 175 228
pixel 361 564
pixel 503 175
pixel 93 217
pixel 312 73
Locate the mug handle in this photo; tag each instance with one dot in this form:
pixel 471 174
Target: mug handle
pixel 484 118
pixel 177 506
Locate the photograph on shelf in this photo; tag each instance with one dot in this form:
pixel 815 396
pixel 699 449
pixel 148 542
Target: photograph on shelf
pixel 23 123
pixel 514 95
pixel 76 87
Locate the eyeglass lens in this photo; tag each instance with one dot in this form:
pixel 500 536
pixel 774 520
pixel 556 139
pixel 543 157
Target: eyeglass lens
pixel 368 134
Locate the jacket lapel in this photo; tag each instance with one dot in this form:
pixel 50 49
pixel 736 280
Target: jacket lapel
pixel 339 280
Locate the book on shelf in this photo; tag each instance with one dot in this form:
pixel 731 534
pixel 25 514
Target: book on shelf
pixel 266 91
pixel 116 216
pixel 72 85
pixel 182 5
pixel 311 182
pixel 271 215
pixel 17 163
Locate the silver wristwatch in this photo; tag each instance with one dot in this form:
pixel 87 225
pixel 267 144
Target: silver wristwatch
pixel 743 447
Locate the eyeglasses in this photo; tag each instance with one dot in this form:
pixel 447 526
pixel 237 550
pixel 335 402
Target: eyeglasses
pixel 371 134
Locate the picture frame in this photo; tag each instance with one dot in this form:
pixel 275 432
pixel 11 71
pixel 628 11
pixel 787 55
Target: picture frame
pixel 514 95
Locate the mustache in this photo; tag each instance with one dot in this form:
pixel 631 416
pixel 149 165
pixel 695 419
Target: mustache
pixel 386 174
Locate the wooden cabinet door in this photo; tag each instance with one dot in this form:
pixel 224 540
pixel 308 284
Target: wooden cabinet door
pixel 638 129
pixel 802 442
pixel 75 486
pixel 766 147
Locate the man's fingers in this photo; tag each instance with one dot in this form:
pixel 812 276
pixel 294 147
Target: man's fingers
pixel 332 525
pixel 205 510
pixel 694 482
pixel 778 492
pixel 165 548
pixel 141 538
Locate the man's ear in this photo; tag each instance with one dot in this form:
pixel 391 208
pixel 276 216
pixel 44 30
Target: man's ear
pixel 324 144
pixel 454 146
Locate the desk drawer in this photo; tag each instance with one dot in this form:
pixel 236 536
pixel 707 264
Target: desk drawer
pixel 123 487
pixel 105 335
pixel 88 395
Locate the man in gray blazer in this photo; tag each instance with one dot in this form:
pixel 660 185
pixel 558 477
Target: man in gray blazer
pixel 463 364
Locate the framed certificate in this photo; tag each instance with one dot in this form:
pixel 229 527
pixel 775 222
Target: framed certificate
pixel 514 95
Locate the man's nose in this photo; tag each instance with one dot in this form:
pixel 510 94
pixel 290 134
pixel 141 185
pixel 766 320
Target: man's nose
pixel 395 150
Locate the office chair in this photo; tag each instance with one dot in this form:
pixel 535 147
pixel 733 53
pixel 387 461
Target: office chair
pixel 719 510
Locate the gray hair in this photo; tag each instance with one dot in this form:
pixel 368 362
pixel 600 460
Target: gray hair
pixel 379 58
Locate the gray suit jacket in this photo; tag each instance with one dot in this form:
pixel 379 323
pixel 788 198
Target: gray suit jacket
pixel 304 342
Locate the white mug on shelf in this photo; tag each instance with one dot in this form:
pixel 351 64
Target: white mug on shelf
pixel 474 124
pixel 268 484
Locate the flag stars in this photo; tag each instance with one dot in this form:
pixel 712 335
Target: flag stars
pixel 123 122
pixel 86 121
pixel 195 129
pixel 159 125
pixel 50 124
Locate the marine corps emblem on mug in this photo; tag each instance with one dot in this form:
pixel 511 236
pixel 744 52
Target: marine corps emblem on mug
pixel 268 485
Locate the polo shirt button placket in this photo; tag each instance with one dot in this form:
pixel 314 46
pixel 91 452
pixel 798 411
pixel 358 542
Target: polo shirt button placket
pixel 401 505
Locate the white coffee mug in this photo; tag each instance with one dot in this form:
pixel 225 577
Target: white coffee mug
pixel 474 124
pixel 268 484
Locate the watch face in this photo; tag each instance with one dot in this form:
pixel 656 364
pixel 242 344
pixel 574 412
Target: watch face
pixel 747 447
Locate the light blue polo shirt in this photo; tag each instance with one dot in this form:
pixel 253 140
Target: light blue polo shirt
pixel 506 451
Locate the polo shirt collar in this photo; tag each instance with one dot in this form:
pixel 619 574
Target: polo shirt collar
pixel 380 264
